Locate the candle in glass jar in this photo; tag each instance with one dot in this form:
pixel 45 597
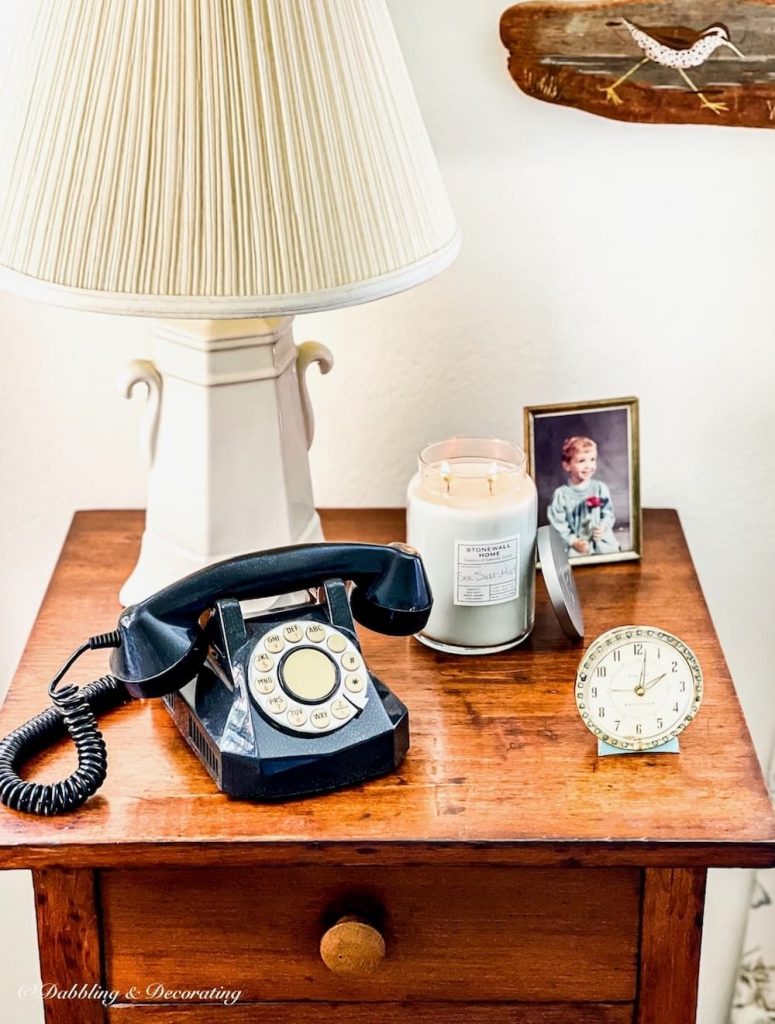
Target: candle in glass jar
pixel 472 515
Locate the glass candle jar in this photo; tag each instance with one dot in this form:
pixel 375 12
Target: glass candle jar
pixel 472 514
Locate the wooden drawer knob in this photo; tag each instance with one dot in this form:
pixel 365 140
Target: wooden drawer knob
pixel 352 947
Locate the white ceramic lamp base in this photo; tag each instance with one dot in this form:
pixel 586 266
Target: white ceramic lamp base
pixel 228 427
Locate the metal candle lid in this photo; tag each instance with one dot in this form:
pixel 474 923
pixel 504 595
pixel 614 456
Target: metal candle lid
pixel 558 579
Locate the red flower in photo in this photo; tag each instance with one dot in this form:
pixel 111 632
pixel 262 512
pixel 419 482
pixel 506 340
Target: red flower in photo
pixel 595 502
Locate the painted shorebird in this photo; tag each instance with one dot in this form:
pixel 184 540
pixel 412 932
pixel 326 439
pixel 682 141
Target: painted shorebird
pixel 676 47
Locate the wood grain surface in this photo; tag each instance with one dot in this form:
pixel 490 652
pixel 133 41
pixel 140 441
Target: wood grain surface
pixel 451 933
pixel 500 768
pixel 67 915
pixel 367 1013
pixel 673 903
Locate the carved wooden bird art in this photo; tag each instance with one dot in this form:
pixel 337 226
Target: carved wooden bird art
pixel 675 46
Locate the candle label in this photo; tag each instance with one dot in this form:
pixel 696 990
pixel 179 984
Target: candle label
pixel 486 572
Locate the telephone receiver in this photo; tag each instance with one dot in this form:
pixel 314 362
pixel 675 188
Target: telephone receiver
pixel 162 638
pixel 275 705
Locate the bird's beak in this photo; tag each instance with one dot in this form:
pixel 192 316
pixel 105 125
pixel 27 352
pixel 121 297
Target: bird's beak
pixel 734 48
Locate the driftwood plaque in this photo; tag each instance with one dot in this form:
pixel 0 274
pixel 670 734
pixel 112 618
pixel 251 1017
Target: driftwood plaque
pixel 698 62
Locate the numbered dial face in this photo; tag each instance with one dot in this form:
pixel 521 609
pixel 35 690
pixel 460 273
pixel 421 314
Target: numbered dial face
pixel 638 687
pixel 307 677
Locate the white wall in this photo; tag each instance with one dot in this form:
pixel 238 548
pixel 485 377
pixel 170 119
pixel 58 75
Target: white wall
pixel 599 259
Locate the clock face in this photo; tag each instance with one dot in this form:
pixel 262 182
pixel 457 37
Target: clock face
pixel 638 687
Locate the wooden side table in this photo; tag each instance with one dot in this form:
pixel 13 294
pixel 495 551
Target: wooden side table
pixel 514 877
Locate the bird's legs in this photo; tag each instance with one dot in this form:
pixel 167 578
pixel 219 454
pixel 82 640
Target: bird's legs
pixel 610 90
pixel 717 108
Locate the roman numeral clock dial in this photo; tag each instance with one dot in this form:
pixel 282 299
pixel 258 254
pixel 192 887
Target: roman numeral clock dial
pixel 638 687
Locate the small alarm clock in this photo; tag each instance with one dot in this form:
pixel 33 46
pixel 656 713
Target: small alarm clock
pixel 638 687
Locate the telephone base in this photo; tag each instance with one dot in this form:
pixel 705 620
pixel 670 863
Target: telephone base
pixel 296 767
pixel 250 745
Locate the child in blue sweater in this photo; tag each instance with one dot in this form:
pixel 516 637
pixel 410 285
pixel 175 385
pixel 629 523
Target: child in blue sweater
pixel 581 511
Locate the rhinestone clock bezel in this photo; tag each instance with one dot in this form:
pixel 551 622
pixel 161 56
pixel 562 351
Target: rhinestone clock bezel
pixel 608 642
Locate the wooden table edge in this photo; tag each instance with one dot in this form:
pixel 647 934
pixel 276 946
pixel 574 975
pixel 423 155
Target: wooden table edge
pixel 515 853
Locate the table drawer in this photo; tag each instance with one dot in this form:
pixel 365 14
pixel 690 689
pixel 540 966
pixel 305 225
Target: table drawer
pixel 451 933
pixel 369 1013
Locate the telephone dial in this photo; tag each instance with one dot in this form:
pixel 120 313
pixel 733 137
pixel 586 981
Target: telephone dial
pixel 275 705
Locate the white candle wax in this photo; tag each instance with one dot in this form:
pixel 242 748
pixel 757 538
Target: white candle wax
pixel 472 515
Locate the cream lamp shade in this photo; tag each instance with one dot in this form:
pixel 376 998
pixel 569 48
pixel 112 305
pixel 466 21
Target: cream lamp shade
pixel 223 164
pixel 193 158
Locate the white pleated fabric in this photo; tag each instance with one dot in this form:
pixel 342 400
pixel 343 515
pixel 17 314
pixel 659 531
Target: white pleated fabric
pixel 214 158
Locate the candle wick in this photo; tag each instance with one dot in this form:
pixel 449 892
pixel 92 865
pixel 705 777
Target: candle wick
pixel 446 484
pixel 491 483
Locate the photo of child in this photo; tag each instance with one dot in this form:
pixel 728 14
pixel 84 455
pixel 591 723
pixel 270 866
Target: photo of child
pixel 581 510
pixel 584 459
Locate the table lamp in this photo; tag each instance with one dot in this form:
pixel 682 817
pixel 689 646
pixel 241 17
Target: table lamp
pixel 221 167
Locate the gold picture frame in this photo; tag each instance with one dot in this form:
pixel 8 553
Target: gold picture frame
pixel 579 503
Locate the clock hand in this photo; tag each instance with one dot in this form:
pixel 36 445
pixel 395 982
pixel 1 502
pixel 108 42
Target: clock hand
pixel 640 689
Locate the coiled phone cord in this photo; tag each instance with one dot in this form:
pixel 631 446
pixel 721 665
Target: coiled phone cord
pixel 73 712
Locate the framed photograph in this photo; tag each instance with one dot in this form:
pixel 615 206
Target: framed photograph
pixel 585 462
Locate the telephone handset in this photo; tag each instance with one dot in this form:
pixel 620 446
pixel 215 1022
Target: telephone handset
pixel 275 705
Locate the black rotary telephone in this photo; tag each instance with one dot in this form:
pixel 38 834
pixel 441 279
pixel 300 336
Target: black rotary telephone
pixel 275 705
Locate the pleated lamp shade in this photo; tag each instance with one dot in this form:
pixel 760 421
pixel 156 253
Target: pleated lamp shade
pixel 214 159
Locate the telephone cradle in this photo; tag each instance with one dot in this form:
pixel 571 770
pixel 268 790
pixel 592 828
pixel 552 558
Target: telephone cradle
pixel 275 705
